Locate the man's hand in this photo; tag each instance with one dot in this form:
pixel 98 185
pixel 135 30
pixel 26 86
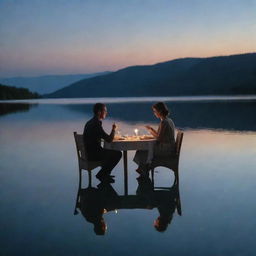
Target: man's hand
pixel 114 126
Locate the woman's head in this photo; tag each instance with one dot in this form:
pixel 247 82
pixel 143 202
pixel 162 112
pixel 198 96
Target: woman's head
pixel 161 224
pixel 160 109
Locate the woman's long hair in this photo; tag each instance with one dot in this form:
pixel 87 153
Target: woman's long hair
pixel 161 108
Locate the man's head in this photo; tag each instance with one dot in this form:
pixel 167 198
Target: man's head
pixel 100 110
pixel 100 227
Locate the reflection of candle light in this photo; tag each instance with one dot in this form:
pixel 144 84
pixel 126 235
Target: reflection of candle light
pixel 136 132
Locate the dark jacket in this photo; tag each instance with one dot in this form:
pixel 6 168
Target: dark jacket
pixel 93 133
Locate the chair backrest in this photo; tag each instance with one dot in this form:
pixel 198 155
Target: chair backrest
pixel 80 146
pixel 178 142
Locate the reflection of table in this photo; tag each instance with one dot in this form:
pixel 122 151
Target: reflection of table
pixel 125 145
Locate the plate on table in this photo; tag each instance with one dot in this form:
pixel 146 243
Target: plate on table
pixel 119 138
pixel 146 137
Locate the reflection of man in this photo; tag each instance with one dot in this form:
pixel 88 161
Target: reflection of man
pixel 92 208
pixel 95 201
pixel 93 133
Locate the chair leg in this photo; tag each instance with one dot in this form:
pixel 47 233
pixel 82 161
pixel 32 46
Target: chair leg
pixel 90 179
pixel 176 174
pixel 78 192
pixel 80 178
pixel 152 176
pixel 77 199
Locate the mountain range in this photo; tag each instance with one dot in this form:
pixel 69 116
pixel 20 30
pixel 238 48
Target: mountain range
pixel 48 83
pixel 221 75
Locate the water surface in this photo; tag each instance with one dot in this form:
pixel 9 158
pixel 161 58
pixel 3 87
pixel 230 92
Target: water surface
pixel 39 179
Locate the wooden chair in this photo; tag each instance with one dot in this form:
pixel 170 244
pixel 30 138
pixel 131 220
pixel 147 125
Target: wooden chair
pixel 171 162
pixel 83 163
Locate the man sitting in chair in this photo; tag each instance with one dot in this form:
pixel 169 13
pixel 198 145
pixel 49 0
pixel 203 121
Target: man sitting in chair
pixel 93 133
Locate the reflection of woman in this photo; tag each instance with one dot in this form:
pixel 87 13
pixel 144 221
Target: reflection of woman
pixel 164 135
pixel 166 201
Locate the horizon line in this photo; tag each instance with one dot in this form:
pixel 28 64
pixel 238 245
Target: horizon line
pixel 198 98
pixel 152 64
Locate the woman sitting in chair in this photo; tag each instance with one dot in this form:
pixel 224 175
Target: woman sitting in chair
pixel 165 137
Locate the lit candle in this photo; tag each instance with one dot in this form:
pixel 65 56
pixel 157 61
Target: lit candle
pixel 136 132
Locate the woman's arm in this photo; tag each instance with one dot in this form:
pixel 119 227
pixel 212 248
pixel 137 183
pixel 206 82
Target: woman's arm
pixel 152 131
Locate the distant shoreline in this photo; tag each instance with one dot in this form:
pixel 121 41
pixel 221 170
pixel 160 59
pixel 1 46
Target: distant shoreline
pixel 132 99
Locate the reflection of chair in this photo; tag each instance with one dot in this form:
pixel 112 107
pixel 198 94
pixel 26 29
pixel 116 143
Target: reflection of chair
pixel 83 162
pixel 174 189
pixel 171 162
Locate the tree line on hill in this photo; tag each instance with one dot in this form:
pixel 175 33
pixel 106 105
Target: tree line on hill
pixel 11 92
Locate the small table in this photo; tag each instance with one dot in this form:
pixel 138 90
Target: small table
pixel 127 144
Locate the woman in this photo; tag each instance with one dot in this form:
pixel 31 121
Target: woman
pixel 165 138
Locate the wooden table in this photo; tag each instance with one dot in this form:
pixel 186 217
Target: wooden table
pixel 125 145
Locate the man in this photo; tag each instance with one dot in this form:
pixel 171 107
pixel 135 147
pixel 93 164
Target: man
pixel 93 133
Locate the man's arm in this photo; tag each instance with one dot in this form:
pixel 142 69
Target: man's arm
pixel 105 136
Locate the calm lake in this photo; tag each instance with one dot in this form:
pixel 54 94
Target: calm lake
pixel 39 180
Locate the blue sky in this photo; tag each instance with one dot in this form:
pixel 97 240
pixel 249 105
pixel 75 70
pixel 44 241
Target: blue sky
pixel 39 37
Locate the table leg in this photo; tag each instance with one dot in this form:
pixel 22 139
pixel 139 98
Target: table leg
pixel 125 173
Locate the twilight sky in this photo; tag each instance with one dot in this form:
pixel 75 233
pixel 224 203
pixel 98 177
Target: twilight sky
pixel 39 37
